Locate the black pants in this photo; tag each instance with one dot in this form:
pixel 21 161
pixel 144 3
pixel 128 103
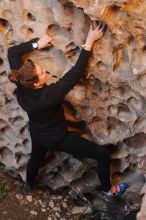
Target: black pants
pixel 73 144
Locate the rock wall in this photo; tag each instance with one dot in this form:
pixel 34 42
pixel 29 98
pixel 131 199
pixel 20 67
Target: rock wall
pixel 106 106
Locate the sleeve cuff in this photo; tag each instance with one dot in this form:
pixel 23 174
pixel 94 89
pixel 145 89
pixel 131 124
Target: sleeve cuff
pixel 86 51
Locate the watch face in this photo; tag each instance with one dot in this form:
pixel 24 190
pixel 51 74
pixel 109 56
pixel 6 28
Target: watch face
pixel 35 45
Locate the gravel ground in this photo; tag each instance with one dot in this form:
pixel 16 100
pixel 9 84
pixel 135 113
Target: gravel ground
pixel 38 205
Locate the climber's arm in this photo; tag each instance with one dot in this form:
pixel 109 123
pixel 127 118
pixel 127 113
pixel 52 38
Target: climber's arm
pixel 15 52
pixel 56 92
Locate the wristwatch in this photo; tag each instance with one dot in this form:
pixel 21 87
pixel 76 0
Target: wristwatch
pixel 35 45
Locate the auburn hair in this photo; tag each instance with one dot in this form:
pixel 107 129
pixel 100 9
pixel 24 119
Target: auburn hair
pixel 25 76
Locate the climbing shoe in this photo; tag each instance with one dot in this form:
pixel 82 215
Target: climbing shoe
pixel 119 189
pixel 116 190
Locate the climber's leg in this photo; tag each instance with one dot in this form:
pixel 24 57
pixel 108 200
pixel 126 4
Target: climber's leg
pixel 79 146
pixel 37 155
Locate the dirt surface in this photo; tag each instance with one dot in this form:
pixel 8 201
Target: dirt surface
pixel 38 205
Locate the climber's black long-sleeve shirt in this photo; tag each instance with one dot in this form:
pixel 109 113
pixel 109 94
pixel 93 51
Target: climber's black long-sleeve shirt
pixel 43 106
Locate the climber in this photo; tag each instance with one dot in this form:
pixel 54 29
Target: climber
pixel 42 103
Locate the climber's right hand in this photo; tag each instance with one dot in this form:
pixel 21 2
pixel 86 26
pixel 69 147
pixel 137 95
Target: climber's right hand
pixel 44 41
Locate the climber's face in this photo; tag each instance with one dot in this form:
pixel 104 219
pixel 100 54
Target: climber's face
pixel 42 75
